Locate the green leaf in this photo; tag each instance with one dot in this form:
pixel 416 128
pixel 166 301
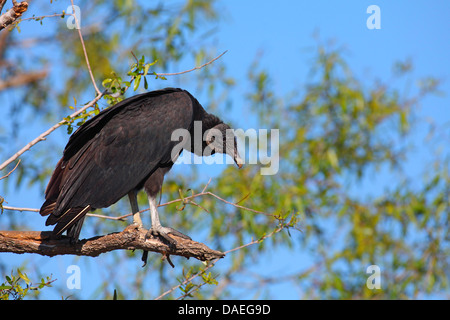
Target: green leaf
pixel 332 157
pixel 137 81
pixel 23 276
pixel 147 66
pixel 145 83
pixel 5 287
pixel 106 81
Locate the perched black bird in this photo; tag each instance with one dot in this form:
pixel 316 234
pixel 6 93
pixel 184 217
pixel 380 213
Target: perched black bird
pixel 125 148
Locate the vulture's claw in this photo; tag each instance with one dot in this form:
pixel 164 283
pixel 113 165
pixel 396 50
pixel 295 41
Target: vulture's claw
pixel 163 232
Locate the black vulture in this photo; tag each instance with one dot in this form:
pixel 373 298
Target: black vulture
pixel 125 148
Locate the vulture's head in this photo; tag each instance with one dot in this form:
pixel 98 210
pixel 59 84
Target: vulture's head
pixel 221 139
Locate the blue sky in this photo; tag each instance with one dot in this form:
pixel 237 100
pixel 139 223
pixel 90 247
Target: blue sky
pixel 283 32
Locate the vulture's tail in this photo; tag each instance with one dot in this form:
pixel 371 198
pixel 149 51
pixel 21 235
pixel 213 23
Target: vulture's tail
pixel 71 220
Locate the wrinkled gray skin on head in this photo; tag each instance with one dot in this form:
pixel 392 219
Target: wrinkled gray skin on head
pixel 221 139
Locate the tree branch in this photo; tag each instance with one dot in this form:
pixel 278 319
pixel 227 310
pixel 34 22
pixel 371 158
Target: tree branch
pixel 78 27
pixel 12 14
pixel 193 69
pixel 213 262
pixel 53 128
pixel 9 173
pixel 2 3
pixel 42 136
pixel 130 238
pixel 22 79
pixel 185 200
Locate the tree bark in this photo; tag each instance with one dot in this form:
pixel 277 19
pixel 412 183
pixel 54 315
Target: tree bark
pixel 131 238
pixel 12 14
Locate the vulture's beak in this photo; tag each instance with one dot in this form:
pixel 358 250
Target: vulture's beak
pixel 237 159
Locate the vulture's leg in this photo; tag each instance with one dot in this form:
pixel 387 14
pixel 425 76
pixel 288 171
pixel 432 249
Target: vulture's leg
pixel 157 229
pixel 132 196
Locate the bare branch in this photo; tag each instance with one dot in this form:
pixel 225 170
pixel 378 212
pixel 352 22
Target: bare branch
pixel 130 238
pixel 42 136
pixel 193 69
pixel 186 200
pixel 78 27
pixel 237 205
pixel 2 3
pixel 213 262
pixel 281 227
pixel 20 209
pixel 9 173
pixel 22 79
pixel 206 186
pixel 53 128
pixel 12 14
pixel 190 279
pixel 59 15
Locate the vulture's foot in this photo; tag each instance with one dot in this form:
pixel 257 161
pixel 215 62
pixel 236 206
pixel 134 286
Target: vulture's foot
pixel 163 232
pixel 137 225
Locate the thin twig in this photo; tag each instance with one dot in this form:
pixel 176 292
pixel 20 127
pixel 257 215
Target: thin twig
pixel 193 69
pixel 45 16
pixel 281 227
pixel 9 173
pixel 2 3
pixel 84 50
pixel 53 128
pixel 181 72
pixel 213 262
pixel 237 205
pixel 197 205
pixel 20 209
pixel 188 293
pixel 248 194
pixel 135 58
pixel 206 186
pixel 42 136
pixel 12 14
pixel 187 199
pixel 190 279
